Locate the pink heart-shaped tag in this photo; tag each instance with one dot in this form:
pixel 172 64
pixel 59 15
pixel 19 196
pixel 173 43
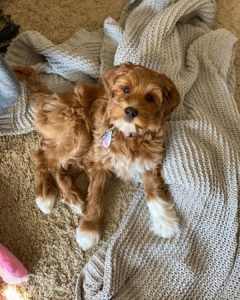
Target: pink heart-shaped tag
pixel 107 139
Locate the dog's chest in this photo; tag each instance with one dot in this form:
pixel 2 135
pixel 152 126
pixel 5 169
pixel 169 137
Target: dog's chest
pixel 128 168
pixel 129 158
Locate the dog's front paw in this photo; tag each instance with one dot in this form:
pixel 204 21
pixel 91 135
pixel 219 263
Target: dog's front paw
pixel 87 239
pixel 163 217
pixel 165 227
pixel 45 204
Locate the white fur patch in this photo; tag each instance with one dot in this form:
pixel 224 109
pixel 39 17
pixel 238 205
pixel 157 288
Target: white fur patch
pixel 87 239
pixel 77 208
pixel 131 169
pixel 163 217
pixel 45 205
pixel 124 126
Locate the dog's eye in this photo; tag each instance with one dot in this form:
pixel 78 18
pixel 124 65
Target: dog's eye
pixel 149 98
pixel 126 90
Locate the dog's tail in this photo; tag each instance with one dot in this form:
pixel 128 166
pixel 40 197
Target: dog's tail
pixel 38 90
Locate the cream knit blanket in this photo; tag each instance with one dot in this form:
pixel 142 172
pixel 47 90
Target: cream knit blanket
pixel 203 156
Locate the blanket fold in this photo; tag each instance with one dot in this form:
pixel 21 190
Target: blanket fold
pixel 202 165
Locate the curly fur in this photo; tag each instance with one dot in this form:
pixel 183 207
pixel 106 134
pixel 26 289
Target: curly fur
pixel 71 125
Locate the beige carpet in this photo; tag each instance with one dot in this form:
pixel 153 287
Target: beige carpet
pixel 46 244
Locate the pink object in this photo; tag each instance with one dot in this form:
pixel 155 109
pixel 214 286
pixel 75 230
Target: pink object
pixel 107 139
pixel 12 270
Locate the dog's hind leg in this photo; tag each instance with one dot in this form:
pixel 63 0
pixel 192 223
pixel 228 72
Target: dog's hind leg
pixel 89 230
pixel 44 184
pixel 70 192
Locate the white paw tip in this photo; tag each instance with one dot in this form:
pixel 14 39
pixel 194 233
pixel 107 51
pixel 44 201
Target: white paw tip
pixel 77 208
pixel 164 219
pixel 45 205
pixel 86 239
pixel 165 228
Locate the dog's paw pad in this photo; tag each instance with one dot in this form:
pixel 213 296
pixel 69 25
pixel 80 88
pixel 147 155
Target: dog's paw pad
pixel 87 239
pixel 45 205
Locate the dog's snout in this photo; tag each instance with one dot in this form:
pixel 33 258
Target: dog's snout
pixel 131 112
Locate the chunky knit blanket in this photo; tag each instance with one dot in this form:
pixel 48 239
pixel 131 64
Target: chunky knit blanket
pixel 202 165
pixel 9 87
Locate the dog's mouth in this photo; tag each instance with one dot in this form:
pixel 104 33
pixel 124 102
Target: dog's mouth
pixel 129 134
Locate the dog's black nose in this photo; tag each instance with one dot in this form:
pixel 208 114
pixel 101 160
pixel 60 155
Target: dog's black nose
pixel 131 112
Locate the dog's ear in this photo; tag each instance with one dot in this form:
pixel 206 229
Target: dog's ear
pixel 109 76
pixel 171 96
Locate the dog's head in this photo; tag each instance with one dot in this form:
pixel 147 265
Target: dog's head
pixel 139 99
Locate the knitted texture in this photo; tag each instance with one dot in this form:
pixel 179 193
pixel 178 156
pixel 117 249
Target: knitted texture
pixel 74 61
pixel 203 157
pixel 9 87
pixel 201 168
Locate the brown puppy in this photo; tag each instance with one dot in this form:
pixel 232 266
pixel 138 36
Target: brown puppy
pixel 116 127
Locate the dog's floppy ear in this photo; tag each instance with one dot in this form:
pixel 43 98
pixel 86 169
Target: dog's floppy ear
pixel 171 96
pixel 109 76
